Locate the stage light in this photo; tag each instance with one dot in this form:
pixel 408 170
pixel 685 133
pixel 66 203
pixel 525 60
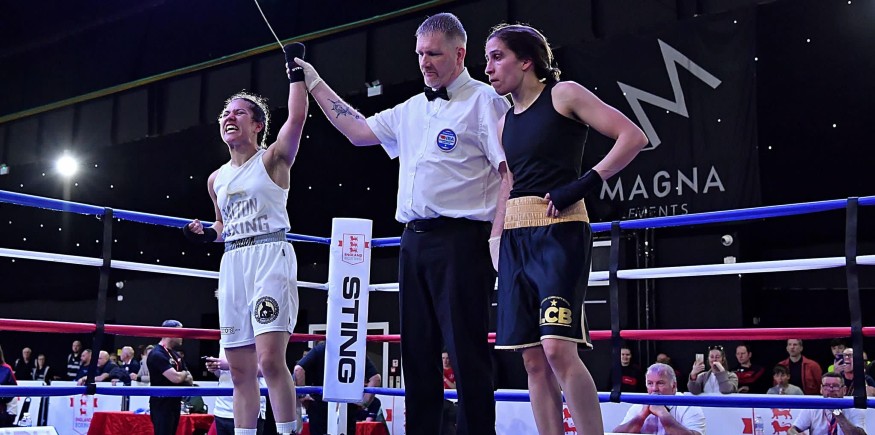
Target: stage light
pixel 67 165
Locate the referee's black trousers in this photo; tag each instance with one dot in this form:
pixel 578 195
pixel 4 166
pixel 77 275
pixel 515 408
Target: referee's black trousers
pixel 445 279
pixel 164 413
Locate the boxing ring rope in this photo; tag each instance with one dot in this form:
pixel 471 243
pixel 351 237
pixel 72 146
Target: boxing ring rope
pixel 655 222
pixel 599 335
pixel 856 330
pixel 721 401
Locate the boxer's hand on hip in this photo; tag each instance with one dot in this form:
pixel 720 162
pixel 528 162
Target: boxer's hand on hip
pixel 494 245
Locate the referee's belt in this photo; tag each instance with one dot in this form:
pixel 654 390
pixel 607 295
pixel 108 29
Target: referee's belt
pixel 531 211
pixel 278 236
pixel 425 225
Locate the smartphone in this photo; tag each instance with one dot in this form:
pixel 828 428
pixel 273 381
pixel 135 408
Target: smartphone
pixel 700 358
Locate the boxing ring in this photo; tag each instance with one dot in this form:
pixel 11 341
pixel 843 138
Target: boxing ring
pixel 754 404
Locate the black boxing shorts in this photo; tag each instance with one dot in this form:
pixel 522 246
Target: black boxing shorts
pixel 543 273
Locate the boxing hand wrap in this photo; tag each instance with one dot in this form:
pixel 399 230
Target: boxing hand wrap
pixel 209 235
pixel 494 249
pixel 293 50
pixel 574 191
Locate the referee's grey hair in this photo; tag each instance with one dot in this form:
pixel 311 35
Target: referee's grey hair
pixel 445 23
pixel 663 370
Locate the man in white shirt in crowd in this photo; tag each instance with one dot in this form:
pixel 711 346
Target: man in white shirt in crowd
pixel 451 169
pixel 848 421
pixel 661 419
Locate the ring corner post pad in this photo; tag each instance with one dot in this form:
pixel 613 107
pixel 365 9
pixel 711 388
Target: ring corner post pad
pixel 349 275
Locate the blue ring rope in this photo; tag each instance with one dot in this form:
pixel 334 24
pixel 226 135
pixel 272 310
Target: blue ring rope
pixel 711 401
pixel 655 222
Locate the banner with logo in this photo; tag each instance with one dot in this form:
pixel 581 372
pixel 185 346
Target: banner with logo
pixel 692 90
pixel 71 415
pixel 349 275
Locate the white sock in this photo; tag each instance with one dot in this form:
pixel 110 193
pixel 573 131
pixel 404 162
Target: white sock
pixel 285 428
pixel 241 431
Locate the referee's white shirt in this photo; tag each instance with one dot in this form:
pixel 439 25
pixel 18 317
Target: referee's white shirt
pixel 448 151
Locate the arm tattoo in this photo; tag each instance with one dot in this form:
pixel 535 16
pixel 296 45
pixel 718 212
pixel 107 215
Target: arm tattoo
pixel 341 109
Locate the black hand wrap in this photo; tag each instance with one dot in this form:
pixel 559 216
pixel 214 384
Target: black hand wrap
pixel 574 191
pixel 293 50
pixel 209 235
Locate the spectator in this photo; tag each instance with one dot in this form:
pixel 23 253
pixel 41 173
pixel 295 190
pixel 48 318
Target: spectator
pixel 106 369
pixel 224 407
pixel 660 419
pixel 41 370
pixel 7 377
pixel 804 372
pixel 717 379
pixel 846 369
pixel 24 366
pixel 142 376
pixel 631 376
pixel 836 347
pixel 130 365
pixel 665 359
pixel 169 370
pixel 309 371
pixel 782 382
pixel 73 361
pixel 84 362
pixel 752 377
pixel 449 376
pixel 449 416
pixel 847 421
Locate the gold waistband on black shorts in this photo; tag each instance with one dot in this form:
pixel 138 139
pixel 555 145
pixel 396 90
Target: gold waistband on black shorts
pixel 531 211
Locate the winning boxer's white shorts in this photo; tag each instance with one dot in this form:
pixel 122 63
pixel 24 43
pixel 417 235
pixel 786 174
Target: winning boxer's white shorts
pixel 258 292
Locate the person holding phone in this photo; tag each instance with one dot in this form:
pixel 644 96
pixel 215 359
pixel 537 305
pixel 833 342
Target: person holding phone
pixel 845 367
pixel 716 379
pixel 836 347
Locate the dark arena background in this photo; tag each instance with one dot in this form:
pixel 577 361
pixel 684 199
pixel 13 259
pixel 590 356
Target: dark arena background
pixel 777 109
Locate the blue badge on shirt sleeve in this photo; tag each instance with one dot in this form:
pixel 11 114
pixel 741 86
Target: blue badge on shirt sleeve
pixel 446 140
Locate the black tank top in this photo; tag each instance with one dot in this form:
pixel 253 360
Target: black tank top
pixel 544 149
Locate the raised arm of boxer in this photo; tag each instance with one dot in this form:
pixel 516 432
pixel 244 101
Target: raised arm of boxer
pixel 281 154
pixel 343 117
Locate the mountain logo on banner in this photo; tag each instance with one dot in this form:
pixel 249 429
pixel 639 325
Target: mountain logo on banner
pixel 635 96
pixel 354 246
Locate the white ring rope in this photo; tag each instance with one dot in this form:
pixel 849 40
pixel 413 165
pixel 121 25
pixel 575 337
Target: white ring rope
pixel 594 278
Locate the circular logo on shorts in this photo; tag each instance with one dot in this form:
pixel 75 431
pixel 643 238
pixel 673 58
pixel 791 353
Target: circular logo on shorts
pixel 446 140
pixel 266 310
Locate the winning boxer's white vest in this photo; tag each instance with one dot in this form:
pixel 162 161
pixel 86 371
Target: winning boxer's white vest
pixel 250 202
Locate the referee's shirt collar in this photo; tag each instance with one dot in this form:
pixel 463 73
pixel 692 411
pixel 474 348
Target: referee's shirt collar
pixel 460 81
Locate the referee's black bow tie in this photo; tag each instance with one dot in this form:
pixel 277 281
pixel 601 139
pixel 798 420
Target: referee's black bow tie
pixel 431 94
